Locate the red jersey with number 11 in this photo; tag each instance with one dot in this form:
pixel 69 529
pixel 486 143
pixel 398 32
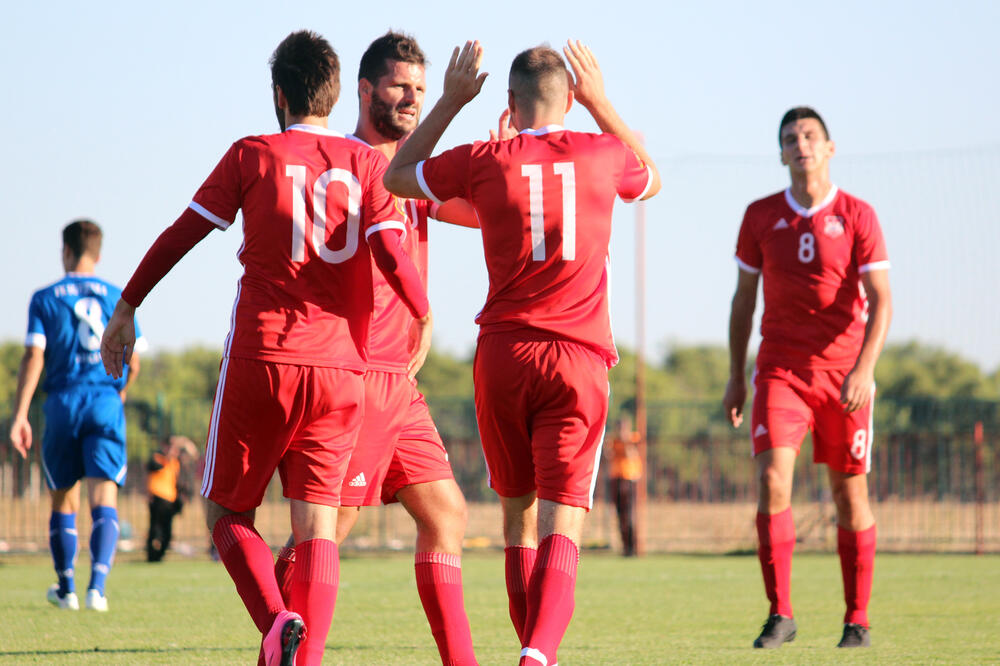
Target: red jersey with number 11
pixel 815 308
pixel 544 202
pixel 309 197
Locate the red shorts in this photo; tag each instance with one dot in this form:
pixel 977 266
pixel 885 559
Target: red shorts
pixel 398 444
pixel 789 402
pixel 301 420
pixel 541 407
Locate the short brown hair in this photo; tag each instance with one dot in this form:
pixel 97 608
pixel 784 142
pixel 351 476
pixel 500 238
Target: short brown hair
pixel 539 75
pixel 307 70
pixel 83 237
pixel 390 46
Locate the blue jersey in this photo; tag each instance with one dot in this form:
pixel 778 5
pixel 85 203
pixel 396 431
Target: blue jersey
pixel 67 320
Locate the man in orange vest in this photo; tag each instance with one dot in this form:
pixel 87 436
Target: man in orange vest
pixel 626 470
pixel 164 500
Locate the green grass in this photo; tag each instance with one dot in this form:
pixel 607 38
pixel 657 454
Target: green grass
pixel 656 610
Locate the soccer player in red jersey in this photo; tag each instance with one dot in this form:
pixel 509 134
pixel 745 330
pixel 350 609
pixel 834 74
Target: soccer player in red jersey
pixel 544 199
pixel 400 456
pixel 827 307
pixel 290 389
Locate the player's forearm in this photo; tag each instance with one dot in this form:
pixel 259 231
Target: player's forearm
pixel 28 375
pixel 876 330
pixel 133 372
pixel 399 271
pixel 740 328
pixel 608 120
pixel 400 176
pixel 175 241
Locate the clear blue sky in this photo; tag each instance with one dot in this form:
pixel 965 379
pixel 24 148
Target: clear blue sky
pixel 118 111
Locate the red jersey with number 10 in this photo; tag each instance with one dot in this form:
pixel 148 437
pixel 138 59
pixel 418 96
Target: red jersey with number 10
pixel 544 202
pixel 815 308
pixel 309 197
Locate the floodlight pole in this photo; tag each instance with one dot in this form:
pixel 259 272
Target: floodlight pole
pixel 640 372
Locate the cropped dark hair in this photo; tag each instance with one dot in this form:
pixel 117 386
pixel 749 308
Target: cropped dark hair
pixel 390 46
pixel 798 113
pixel 307 70
pixel 83 237
pixel 538 74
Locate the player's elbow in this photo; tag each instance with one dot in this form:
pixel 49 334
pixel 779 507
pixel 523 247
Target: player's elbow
pixel 393 180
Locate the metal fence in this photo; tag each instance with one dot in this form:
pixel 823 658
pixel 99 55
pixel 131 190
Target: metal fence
pixel 935 483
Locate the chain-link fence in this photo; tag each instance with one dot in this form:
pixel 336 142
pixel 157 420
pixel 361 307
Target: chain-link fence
pixel 935 483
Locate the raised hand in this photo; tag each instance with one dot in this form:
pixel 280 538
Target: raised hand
pixel 588 88
pixel 462 80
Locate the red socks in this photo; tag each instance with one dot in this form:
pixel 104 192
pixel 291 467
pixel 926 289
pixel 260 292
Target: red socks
pixel 550 598
pixel 314 593
pixel 439 584
pixel 857 564
pixel 519 562
pixel 283 568
pixel 249 562
pixel 776 533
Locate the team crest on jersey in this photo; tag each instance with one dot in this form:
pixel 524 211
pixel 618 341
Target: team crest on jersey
pixel 400 206
pixel 833 226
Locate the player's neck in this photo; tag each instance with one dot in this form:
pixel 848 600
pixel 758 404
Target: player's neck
pixel 537 118
pixel 319 121
pixel 808 189
pixel 367 133
pixel 83 266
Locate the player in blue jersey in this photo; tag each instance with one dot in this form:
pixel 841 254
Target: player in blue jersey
pixel 84 413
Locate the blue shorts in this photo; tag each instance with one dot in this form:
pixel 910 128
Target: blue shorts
pixel 84 436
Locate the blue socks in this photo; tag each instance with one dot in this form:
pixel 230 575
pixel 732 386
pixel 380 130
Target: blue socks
pixel 103 542
pixel 62 543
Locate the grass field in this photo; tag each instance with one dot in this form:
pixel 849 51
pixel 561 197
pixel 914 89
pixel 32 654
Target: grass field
pixel 656 610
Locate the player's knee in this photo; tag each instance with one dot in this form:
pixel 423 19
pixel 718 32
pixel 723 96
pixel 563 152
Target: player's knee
pixel 774 483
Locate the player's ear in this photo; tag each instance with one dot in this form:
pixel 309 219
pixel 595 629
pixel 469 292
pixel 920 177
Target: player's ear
pixel 569 101
pixel 364 88
pixel 279 98
pixel 833 148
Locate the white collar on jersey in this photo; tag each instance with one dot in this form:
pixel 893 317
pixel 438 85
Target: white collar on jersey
pixel 542 130
pixel 353 137
pixel 314 129
pixel 809 212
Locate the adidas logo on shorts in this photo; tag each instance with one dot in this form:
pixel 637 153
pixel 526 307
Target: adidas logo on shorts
pixel 358 481
pixel 761 430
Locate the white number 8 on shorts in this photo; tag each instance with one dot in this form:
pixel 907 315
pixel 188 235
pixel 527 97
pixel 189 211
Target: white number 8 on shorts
pixel 860 444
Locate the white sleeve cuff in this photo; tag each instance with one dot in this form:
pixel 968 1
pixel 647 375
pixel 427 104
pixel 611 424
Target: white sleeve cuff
pixel 874 266
pixel 745 266
pixel 649 183
pixel 423 183
pixel 35 340
pixel 210 216
pixel 389 224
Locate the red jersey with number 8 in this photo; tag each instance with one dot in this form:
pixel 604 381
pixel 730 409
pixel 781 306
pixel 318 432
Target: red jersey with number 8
pixel 544 201
pixel 811 260
pixel 310 197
